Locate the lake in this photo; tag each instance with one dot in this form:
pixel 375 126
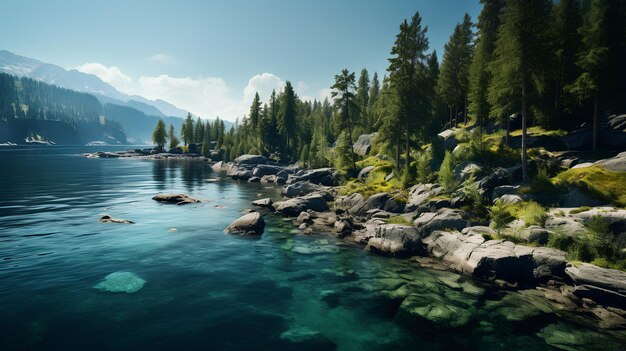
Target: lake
pixel 207 290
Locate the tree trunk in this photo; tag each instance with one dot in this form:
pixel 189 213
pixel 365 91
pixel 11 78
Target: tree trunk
pixel 398 142
pixel 465 112
pixel 456 114
pixel 351 145
pixel 408 146
pixel 524 116
pixel 450 122
pixel 595 124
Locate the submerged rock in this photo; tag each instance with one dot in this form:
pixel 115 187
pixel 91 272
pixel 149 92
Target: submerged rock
pixel 250 224
pixel 266 202
pixel 178 199
pixel 121 282
pixel 109 219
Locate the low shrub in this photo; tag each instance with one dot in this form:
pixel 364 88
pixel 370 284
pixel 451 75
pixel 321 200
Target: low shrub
pixel 446 173
pixel 531 213
pixel 500 215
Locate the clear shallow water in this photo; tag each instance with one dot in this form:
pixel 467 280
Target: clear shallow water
pixel 209 290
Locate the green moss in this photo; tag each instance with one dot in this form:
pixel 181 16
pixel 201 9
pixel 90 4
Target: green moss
pixel 399 220
pixel 375 182
pixel 538 131
pixel 596 182
pixel 580 209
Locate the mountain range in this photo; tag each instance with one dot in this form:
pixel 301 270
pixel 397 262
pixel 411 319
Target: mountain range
pixel 137 119
pixel 22 66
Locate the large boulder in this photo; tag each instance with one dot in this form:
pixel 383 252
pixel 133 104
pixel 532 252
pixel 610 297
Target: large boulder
pixel 380 201
pixel 293 207
pixel 465 170
pixel 569 225
pixel 394 239
pixel 178 199
pixel 603 285
pixel 249 224
pixel 497 178
pixel 444 218
pixel 266 202
pixel 251 160
pixel 615 164
pixel 420 194
pixel 239 173
pixel 365 172
pixel 301 189
pixel 472 254
pixel 364 143
pixel 616 218
pixel 265 170
pixel 323 176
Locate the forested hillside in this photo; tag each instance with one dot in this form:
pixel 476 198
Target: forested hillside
pixel 35 110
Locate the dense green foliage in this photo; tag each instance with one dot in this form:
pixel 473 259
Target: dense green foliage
pixel 159 136
pixel 552 63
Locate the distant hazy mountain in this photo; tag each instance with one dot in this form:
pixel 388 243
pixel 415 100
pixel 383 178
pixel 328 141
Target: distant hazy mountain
pixel 87 83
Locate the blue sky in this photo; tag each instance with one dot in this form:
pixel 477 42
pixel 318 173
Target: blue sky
pixel 210 56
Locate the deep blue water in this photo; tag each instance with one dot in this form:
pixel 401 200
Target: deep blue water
pixel 206 290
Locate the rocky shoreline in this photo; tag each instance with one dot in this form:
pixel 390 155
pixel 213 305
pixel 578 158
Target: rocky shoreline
pixel 443 232
pixel 439 232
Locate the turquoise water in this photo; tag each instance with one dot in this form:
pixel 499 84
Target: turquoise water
pixel 206 290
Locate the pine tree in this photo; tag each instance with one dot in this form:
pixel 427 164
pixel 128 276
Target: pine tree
pixel 343 94
pixel 520 50
pixel 287 117
pixel 206 142
pixel 186 132
pixel 453 84
pixel 594 60
pixel 374 92
pixel 198 132
pixel 173 139
pixel 480 76
pixel 255 111
pixel 408 53
pixel 362 99
pixel 567 22
pixel 159 136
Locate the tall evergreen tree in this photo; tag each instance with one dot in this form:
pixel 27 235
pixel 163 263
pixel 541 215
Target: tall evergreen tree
pixel 480 76
pixel 407 53
pixel 198 132
pixel 374 92
pixel 159 135
pixel 362 98
pixel 255 111
pixel 186 132
pixel 287 117
pixel 595 59
pixel 453 84
pixel 567 22
pixel 345 101
pixel 519 59
pixel 172 136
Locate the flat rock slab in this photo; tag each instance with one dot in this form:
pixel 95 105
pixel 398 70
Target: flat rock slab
pixel 109 219
pixel 178 199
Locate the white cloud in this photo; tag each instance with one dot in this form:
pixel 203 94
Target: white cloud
pixel 161 58
pixel 262 83
pixel 203 96
pixel 111 75
pixel 208 97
